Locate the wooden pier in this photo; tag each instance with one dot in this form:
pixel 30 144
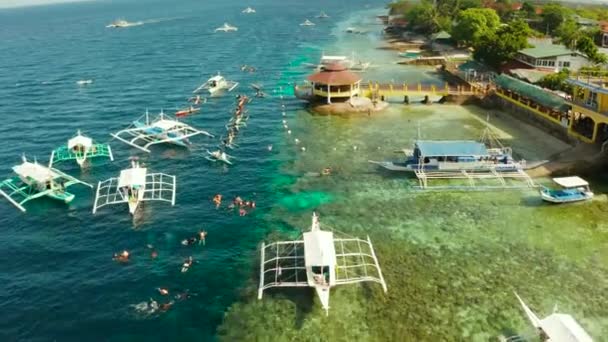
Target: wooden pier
pixel 380 90
pixel 501 179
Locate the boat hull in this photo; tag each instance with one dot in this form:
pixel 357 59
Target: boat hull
pixel 408 167
pixel 63 196
pixel 565 196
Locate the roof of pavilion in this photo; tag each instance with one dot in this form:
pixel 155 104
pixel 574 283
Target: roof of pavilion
pixel 334 74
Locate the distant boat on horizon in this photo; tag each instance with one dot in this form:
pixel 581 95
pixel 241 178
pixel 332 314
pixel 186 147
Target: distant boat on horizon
pixel 227 28
pixel 121 23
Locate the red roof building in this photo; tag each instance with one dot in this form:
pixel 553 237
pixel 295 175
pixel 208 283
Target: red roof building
pixel 335 82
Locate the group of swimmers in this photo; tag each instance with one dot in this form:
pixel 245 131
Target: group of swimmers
pixel 200 238
pixel 153 306
pixel 237 121
pixel 237 202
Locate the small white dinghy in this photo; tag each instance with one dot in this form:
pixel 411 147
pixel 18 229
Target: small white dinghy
pixel 573 189
pixel 226 28
pixel 307 23
pixel 248 10
pixel 219 156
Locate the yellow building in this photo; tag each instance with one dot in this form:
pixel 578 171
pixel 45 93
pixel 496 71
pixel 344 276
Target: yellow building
pixel 589 113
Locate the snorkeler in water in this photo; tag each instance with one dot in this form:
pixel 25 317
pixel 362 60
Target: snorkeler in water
pixel 187 264
pixel 201 237
pixel 122 257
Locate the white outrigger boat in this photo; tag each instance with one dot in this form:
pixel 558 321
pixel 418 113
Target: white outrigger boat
pixel 573 189
pixel 220 156
pixel 81 149
pixel 453 155
pixel 133 186
pixel 556 327
pixel 318 260
pixel 216 84
pixel 322 15
pixel 227 28
pixel 33 181
pixel 248 10
pixel 162 130
pixel 307 23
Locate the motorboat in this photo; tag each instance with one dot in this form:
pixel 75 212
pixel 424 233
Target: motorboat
pixel 84 82
pixel 453 155
pixel 572 189
pixel 307 23
pixel 217 84
pixel 121 23
pixel 248 10
pixel 226 28
pixel 351 30
pixel 322 15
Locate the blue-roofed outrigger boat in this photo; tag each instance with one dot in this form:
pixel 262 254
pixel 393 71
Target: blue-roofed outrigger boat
pixel 164 129
pixel 453 155
pixel 573 189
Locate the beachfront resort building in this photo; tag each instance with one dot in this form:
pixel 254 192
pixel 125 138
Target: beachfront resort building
pixel 589 105
pixel 334 83
pixel 584 115
pixel 604 34
pixel 552 58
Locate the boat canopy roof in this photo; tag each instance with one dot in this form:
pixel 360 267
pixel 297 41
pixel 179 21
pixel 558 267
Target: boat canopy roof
pixel 455 148
pixel 167 124
pixel 132 177
pixel 35 171
pixel 319 249
pixel 570 182
pixel 563 327
pixel 80 140
pixel 330 58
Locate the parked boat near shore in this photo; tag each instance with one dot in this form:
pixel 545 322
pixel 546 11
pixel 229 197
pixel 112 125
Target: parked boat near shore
pixel 453 155
pixel 573 189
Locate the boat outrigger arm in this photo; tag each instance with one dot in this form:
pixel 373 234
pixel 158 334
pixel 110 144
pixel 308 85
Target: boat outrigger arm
pixel 158 187
pixel 319 261
pixel 18 193
pixel 164 129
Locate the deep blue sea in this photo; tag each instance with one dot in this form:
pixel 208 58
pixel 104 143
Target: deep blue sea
pixel 58 279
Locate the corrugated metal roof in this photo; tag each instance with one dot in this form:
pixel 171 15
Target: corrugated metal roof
pixel 548 50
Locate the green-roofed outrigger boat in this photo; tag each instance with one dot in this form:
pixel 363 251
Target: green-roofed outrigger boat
pixel 33 181
pixel 81 149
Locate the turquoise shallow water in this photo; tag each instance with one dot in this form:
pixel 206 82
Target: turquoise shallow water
pixel 59 282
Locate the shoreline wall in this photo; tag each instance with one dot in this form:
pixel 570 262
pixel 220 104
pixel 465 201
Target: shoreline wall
pixel 521 113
